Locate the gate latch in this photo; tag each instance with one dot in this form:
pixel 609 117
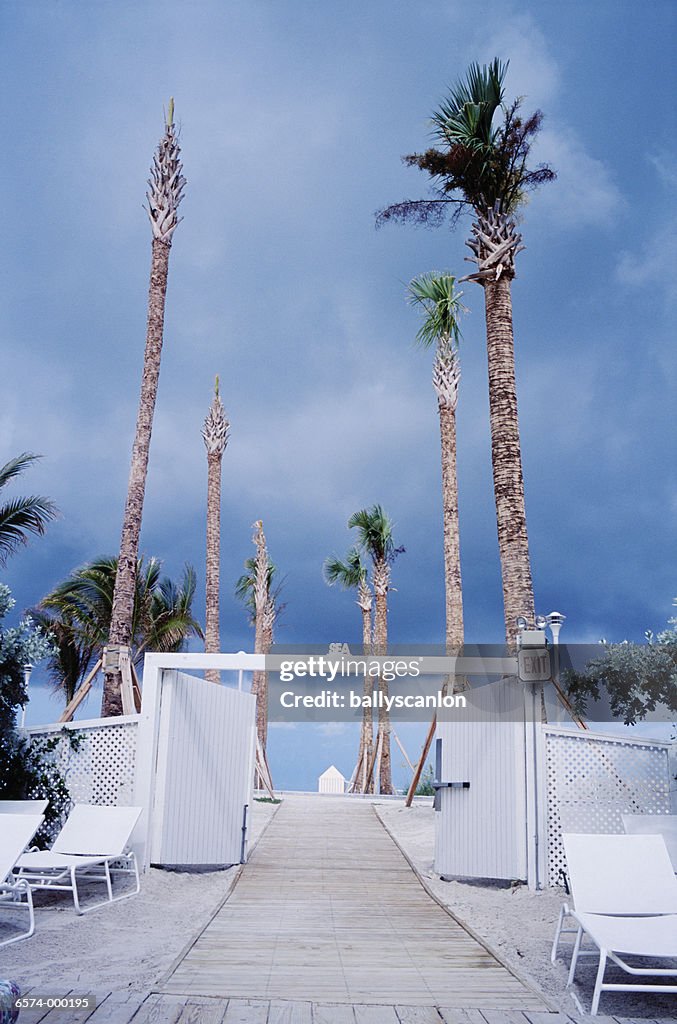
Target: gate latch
pixel 438 786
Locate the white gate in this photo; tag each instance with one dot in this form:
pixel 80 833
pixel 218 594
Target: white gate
pixel 481 828
pixel 195 761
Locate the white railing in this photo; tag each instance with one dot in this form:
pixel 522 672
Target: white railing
pixel 594 778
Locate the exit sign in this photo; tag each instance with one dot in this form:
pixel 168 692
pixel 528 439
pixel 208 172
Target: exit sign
pixel 533 665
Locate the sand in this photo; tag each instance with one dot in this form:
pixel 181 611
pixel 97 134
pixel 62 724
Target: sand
pixel 128 945
pixel 517 924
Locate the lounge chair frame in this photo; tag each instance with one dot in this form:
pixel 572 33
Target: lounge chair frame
pixel 18 828
pixel 65 878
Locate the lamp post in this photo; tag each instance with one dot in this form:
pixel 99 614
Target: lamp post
pixel 28 668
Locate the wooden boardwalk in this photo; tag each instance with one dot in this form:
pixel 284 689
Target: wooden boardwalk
pixel 163 1009
pixel 329 911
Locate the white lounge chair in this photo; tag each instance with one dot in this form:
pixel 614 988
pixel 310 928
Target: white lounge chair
pixel 91 846
pixel 16 832
pixel 23 806
pixel 625 901
pixel 655 824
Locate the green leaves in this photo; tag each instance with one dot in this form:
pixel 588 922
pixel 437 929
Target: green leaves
pixel 21 516
pixel 375 532
pixel 349 574
pixel 441 304
pixel 467 114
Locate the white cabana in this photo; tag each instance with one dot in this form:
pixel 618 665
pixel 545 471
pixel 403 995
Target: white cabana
pixel 331 781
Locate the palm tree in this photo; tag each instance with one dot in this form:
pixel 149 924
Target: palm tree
pixel 441 304
pixel 352 575
pixel 255 589
pixel 21 517
pixel 375 540
pixel 77 614
pixel 483 168
pixel 215 436
pixel 166 185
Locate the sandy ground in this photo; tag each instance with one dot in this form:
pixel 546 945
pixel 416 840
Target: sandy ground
pixel 128 945
pixel 518 924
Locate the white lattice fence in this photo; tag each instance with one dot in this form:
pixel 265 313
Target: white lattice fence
pixel 101 768
pixel 592 779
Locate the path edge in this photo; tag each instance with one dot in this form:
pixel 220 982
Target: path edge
pixel 471 931
pixel 157 988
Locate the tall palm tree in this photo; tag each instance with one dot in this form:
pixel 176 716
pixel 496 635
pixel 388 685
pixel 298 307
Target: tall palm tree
pixel 351 574
pixel 375 541
pixel 441 304
pixel 77 614
pixel 166 185
pixel 481 165
pixel 215 436
pixel 21 517
pixel 255 589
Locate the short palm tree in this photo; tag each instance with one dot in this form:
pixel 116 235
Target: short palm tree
pixel 166 185
pixel 375 541
pixel 352 574
pixel 215 436
pixel 20 517
pixel 481 165
pixel 77 613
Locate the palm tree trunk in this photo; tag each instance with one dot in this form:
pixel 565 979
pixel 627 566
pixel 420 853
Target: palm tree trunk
pixel 506 457
pixel 452 548
pixel 367 730
pixel 123 600
pixel 381 644
pixel 212 624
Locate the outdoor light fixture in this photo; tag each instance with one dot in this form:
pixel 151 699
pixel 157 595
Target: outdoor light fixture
pixel 28 668
pixel 555 621
pixel 541 622
pixel 521 622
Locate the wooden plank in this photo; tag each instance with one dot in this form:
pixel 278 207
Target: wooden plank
pixel 159 1009
pixel 418 1015
pixel 333 1013
pixel 505 1016
pixel 538 1017
pixel 451 1015
pixel 117 1007
pixel 369 1014
pixel 289 1012
pixel 246 1011
pixel 203 1011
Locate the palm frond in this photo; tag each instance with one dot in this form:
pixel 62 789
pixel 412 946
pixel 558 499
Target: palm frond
pixel 467 114
pixel 375 532
pixel 21 517
pixel 348 573
pixel 16 466
pixel 437 296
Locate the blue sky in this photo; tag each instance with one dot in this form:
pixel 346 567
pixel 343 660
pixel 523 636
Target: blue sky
pixel 294 117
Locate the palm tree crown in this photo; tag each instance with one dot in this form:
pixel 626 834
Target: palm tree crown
pixel 20 517
pixel 441 304
pixel 477 163
pixel 375 532
pixel 78 611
